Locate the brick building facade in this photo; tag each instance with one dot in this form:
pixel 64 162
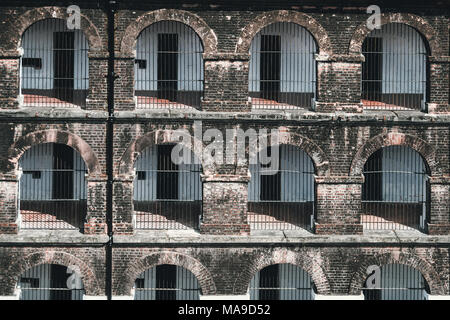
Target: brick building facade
pixel 225 250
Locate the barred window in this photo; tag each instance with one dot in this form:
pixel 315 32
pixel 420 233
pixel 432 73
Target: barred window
pixel 394 74
pixel 282 282
pixel 169 67
pixel 167 195
pixel 395 193
pixel 54 66
pixel 282 196
pixel 52 188
pixel 396 282
pixel 282 67
pixel 50 282
pixel 167 282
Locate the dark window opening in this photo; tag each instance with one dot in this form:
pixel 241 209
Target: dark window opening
pixel 166 278
pixel 35 63
pixel 142 64
pixel 167 66
pixel 32 283
pixel 270 66
pixel 63 63
pixel 141 175
pixel 269 278
pixel 373 186
pixel 167 174
pixel 58 280
pixel 63 172
pixel 140 283
pixel 34 174
pixel 270 187
pixel 372 69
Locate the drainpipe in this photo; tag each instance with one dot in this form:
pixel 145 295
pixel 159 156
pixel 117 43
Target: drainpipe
pixel 110 11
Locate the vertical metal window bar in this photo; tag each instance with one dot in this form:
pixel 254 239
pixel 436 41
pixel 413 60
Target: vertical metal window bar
pixel 167 282
pixel 49 282
pixel 169 67
pixel 394 73
pixel 281 282
pixel 54 65
pixel 397 282
pixel 52 188
pixel 395 193
pixel 166 195
pixel 282 71
pixel 284 198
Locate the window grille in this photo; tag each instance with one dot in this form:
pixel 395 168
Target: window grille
pixel 394 74
pixel 50 282
pixel 52 188
pixel 168 67
pixel 167 282
pixel 396 282
pixel 167 195
pixel 282 71
pixel 395 193
pixel 283 198
pixel 54 66
pixel 282 282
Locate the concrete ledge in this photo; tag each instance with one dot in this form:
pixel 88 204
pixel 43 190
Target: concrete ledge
pixel 336 297
pixel 226 297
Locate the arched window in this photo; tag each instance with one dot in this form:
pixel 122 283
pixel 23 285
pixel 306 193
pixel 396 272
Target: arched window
pixel 282 282
pixel 54 65
pixel 395 193
pixel 167 195
pixel 167 282
pixel 168 67
pixel 51 282
pixel 394 74
pixel 281 193
pixel 52 188
pixel 282 67
pixel 395 282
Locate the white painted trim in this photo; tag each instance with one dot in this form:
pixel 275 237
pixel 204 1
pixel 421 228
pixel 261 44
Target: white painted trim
pixel 337 297
pixel 85 297
pixel 16 295
pixel 122 297
pixel 438 297
pixel 225 297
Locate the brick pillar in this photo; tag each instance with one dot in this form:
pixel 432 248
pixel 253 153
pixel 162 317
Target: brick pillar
pixel 97 94
pixel 338 206
pixel 439 85
pixel 225 205
pixel 339 83
pixel 226 83
pixel 123 213
pixel 9 84
pixel 8 205
pixel 96 204
pixel 124 85
pixel 440 206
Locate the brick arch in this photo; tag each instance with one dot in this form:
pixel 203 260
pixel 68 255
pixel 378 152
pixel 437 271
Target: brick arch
pixel 24 143
pixel 317 155
pixel 267 18
pixel 427 152
pixel 144 263
pixel 34 15
pixel 282 255
pixel 206 34
pixel 90 282
pixel 416 22
pixel 396 257
pixel 149 139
